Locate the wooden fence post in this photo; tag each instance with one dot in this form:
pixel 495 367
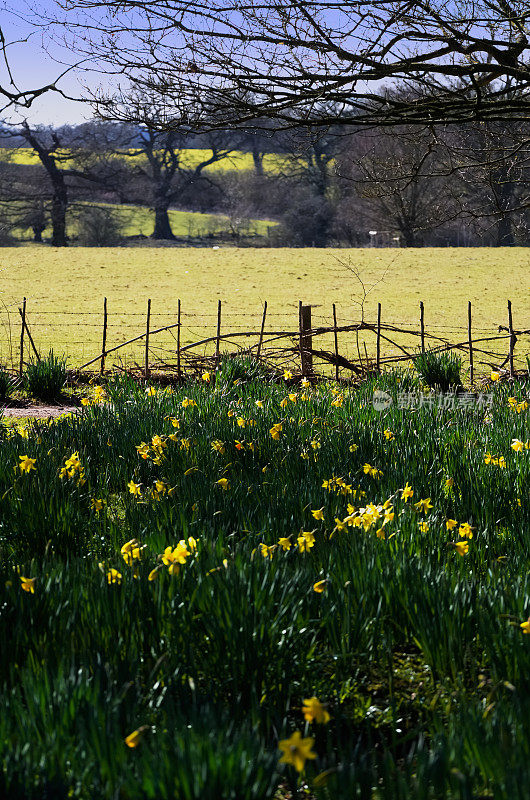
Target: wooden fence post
pixel 146 369
pixel 306 340
pixel 178 341
pixel 470 342
pixel 104 344
pixel 512 337
pixel 21 368
pixel 218 339
pixel 258 352
pixel 336 342
pixel 378 343
pixel 422 327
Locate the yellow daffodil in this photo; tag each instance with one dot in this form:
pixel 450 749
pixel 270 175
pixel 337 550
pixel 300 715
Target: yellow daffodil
pixel 134 738
pixel 449 483
pixel 206 377
pixel 153 575
pixel 525 626
pixel 494 376
pixel 135 488
pixel 276 430
pixel 462 548
pixel 318 513
pixel 27 584
pixel 285 542
pixel 319 587
pixel 287 375
pixel 423 526
pixel 517 445
pixel 296 750
pixel 305 383
pixel 353 447
pixel 465 531
pixel 388 435
pixel 450 524
pixel 96 504
pixel 267 550
pixel 423 505
pixel 223 483
pixel 407 492
pixel 113 576
pixel 314 711
pixel 27 463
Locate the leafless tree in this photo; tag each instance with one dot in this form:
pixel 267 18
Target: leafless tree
pixel 324 61
pixel 396 171
pixel 66 155
pixel 160 158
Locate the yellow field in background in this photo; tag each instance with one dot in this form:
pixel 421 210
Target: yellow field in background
pixel 65 290
pixel 238 160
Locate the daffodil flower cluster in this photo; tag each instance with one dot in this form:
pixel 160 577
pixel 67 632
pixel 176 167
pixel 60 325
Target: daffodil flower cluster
pixel 73 469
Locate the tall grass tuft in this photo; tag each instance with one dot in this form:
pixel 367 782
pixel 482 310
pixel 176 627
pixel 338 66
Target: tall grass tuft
pixel 7 384
pixel 45 379
pixel 439 370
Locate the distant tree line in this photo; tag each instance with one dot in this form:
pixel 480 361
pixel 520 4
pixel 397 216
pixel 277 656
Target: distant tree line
pixel 400 185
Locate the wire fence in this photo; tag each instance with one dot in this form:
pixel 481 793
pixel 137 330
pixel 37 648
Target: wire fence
pixel 176 338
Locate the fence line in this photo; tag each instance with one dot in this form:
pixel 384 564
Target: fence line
pixel 301 343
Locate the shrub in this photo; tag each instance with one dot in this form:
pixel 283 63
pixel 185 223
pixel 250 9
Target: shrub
pixel 99 227
pixel 45 378
pixel 439 370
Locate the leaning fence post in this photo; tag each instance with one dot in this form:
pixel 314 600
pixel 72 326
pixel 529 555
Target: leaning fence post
pixel 146 369
pixel 104 343
pixel 21 368
pixel 378 343
pixel 178 341
pixel 422 328
pixel 258 352
pixel 470 342
pixel 218 337
pixel 336 342
pixel 512 337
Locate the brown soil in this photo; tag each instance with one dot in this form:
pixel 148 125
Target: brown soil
pixel 38 412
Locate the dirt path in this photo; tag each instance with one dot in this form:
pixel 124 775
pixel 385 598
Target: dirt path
pixel 39 412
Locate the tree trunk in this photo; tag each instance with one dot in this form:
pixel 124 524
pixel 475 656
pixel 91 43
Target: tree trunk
pixel 162 224
pixel 257 157
pixel 38 230
pixel 58 216
pixel 408 236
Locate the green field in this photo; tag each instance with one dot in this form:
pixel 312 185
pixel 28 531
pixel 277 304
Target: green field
pixel 242 590
pixel 65 290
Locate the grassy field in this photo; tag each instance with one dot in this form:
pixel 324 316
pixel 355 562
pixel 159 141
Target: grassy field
pixel 243 590
pixel 65 290
pixel 239 161
pixel 139 221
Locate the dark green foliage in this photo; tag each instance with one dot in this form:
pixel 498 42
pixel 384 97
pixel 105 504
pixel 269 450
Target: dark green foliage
pixel 7 384
pixel 45 379
pixel 439 370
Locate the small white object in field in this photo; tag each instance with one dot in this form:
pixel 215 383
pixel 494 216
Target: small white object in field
pixel 215 247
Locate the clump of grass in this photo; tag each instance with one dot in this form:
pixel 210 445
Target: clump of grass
pixel 7 384
pixel 439 370
pixel 243 369
pixel 45 379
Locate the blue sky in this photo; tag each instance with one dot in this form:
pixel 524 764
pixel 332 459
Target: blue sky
pixel 34 62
